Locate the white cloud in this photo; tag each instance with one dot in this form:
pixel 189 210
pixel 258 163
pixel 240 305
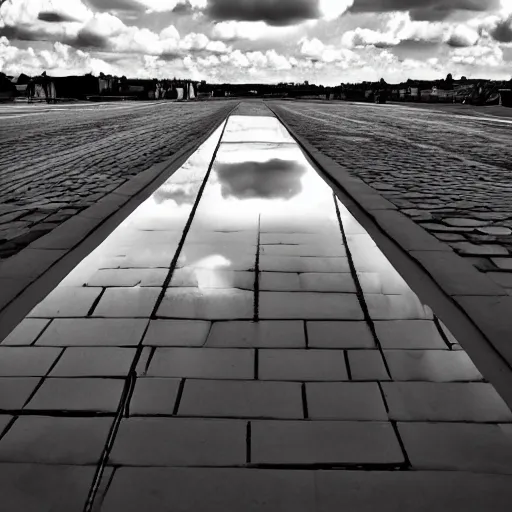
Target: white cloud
pixel 159 5
pixel 332 9
pixel 252 30
pixel 481 56
pixel 25 12
pixel 315 49
pixel 61 59
pixel 462 35
pixel 361 37
pixel 399 27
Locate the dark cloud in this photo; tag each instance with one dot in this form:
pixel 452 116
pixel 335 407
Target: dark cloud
pixel 84 40
pixel 274 179
pixel 425 10
pixel 183 9
pixel 88 39
pixel 53 17
pixel 459 41
pixel 273 12
pixel 23 34
pixel 502 32
pixel 116 5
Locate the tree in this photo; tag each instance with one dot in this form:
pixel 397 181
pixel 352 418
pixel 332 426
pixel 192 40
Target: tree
pixel 449 82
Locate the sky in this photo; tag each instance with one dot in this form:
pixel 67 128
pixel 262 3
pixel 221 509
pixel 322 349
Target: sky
pixel 259 41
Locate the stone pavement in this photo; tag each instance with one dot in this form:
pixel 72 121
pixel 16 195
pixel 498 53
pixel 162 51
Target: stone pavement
pixel 58 160
pixel 239 342
pixel 451 174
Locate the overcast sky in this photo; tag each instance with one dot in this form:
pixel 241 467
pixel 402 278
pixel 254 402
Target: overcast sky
pixel 323 41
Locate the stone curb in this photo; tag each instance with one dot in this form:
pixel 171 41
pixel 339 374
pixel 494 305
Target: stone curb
pixel 486 304
pixel 22 275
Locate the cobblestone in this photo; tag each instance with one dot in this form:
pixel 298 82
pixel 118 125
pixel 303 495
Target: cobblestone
pixel 55 164
pixel 450 174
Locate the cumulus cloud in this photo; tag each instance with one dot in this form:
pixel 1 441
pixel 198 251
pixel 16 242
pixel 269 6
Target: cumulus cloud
pixel 400 27
pixel 61 59
pixel 318 51
pixel 462 36
pixel 22 12
pixel 426 10
pixel 332 9
pixel 250 30
pixel 481 56
pixel 361 37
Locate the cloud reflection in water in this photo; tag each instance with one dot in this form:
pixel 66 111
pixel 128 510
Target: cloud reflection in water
pixel 272 179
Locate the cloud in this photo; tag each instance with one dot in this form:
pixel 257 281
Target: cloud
pixel 59 60
pixel 400 28
pixel 318 51
pixel 117 5
pixel 479 56
pixel 100 30
pixel 138 5
pixel 425 10
pixel 332 9
pixel 462 36
pixel 361 37
pixel 22 12
pixel 502 31
pixel 53 17
pixel 274 179
pixel 251 30
pixel 60 21
pixel 272 12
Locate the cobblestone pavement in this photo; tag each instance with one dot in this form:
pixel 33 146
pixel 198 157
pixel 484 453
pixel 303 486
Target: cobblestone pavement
pixel 450 173
pixel 57 160
pixel 240 343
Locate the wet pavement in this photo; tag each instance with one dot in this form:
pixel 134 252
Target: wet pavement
pixel 239 342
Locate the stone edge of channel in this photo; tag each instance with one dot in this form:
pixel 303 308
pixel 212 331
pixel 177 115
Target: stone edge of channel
pixel 25 277
pixel 484 302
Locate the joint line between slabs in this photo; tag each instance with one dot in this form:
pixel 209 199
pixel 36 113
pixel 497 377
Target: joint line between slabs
pixel 442 333
pixel 304 400
pixel 96 301
pixel 132 375
pixel 42 332
pixel 359 288
pixel 188 225
pixel 122 409
pixel 257 275
pixel 408 464
pixel 178 397
pixel 347 364
pixel 248 443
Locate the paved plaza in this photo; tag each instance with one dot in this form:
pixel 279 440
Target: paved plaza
pixel 240 342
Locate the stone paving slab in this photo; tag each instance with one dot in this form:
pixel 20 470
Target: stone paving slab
pixel 263 393
pixel 53 440
pixel 324 442
pixel 31 487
